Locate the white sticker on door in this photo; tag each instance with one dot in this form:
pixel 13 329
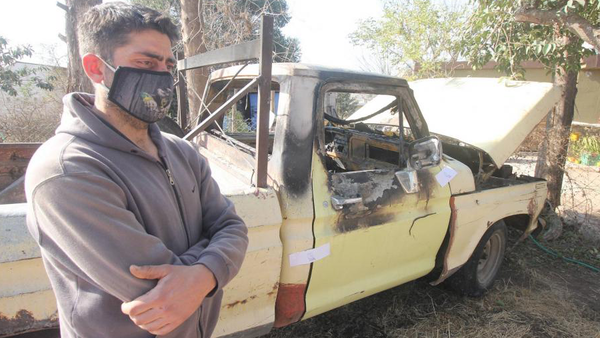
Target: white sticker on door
pixel 445 176
pixel 309 256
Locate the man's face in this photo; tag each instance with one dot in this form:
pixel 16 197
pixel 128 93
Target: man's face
pixel 148 49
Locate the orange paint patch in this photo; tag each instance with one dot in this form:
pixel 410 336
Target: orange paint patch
pixel 289 307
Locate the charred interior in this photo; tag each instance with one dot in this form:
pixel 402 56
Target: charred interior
pixel 367 146
pixel 361 147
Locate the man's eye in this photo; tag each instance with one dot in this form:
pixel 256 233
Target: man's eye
pixel 145 63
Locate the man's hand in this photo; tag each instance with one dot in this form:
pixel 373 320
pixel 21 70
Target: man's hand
pixel 178 294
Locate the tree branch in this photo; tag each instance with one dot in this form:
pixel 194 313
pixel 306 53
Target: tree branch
pixel 573 22
pixel 62 6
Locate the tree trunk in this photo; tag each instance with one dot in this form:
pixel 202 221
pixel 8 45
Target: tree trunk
pixel 193 43
pixel 553 151
pixel 77 80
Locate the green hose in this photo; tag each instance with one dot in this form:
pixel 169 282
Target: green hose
pixel 555 254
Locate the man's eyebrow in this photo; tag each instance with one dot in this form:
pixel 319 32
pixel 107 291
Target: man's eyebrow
pixel 158 57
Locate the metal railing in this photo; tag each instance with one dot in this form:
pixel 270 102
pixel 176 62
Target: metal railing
pixel 260 49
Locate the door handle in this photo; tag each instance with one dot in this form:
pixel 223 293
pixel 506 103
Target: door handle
pixel 338 202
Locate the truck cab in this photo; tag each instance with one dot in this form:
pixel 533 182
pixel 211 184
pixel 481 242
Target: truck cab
pixel 364 204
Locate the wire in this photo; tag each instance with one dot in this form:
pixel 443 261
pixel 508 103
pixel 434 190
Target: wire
pixel 556 254
pixel 364 118
pixel 225 136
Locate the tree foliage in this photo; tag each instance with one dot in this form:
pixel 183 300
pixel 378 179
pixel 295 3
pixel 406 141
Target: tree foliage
pixel 227 22
pixel 346 104
pixel 11 79
pixel 553 32
pixel 496 32
pixel 415 35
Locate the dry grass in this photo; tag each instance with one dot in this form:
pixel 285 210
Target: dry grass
pixel 535 296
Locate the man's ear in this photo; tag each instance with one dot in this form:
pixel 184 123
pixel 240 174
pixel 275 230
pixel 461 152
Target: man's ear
pixel 94 67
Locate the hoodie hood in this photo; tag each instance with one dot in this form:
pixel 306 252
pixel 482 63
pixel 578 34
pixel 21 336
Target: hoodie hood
pixel 493 115
pixel 81 119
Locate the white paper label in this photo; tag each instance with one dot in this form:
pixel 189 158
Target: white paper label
pixel 445 176
pixel 309 256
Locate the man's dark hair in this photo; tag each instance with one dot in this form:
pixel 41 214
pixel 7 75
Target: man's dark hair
pixel 106 27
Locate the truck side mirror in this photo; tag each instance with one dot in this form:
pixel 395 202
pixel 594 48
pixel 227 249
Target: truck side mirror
pixel 425 153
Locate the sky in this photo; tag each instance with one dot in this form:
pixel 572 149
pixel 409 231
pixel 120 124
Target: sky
pixel 322 26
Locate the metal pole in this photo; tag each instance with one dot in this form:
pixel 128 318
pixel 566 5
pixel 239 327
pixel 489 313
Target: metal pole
pixel 264 100
pixel 401 162
pixel 221 110
pixel 182 102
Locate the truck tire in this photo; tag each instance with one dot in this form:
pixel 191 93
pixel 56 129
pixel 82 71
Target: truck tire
pixel 479 273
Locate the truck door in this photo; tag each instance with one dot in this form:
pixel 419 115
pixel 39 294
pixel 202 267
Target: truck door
pixel 370 234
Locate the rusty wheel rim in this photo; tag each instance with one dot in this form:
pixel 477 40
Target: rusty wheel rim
pixel 490 259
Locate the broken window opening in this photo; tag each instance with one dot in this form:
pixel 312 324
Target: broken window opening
pixel 238 125
pixel 356 138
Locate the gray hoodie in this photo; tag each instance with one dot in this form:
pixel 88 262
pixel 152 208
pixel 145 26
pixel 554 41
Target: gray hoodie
pixel 98 204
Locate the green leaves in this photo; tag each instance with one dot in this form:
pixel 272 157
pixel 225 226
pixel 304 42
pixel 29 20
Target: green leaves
pixel 11 78
pixel 492 33
pixel 418 36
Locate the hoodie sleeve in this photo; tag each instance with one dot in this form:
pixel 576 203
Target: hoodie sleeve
pixel 81 220
pixel 226 231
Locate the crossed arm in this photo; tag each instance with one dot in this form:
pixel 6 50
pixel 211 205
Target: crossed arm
pixel 82 221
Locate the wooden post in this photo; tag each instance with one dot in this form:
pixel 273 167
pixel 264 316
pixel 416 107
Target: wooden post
pixel 264 100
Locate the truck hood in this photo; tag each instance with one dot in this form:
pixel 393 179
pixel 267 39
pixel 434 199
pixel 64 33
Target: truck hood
pixel 493 115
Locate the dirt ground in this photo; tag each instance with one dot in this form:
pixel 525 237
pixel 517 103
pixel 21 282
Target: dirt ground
pixel 537 295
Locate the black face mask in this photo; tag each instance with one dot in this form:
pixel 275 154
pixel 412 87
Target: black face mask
pixel 145 94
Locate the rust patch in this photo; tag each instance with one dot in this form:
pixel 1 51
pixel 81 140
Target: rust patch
pixel 240 302
pixel 289 307
pixel 24 322
pixel 532 207
pixel 274 290
pixel 445 272
pixel 14 158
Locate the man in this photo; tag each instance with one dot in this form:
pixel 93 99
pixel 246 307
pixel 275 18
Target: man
pixel 135 236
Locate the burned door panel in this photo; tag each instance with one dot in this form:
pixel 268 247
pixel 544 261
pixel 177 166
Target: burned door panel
pixel 374 192
pixel 379 235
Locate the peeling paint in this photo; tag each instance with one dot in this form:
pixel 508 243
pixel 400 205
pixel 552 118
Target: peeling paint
pixel 378 189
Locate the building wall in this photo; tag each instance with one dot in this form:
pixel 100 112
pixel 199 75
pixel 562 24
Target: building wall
pixel 587 102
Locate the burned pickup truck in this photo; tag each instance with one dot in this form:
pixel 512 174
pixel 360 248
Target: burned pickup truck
pixel 369 185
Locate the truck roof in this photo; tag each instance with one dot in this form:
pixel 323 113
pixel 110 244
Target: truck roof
pixel 309 70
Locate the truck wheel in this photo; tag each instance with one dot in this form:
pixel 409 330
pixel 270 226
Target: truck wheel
pixel 478 274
